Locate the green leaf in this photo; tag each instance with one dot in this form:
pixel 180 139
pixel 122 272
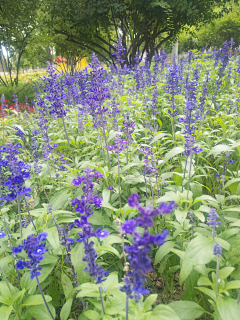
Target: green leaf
pixel 77 254
pixel 187 310
pixel 5 312
pixel 228 308
pixel 149 302
pixel 41 312
pixel 158 136
pixel 219 148
pixel 88 290
pixel 106 195
pixel 53 238
pixel 229 182
pixel 163 312
pixel 232 285
pixel 225 272
pixel 204 281
pixel 99 219
pixel 172 153
pixel 67 285
pixel 208 292
pixel 6 260
pixel 163 251
pixel 115 307
pixel 66 309
pixel 59 199
pixel 107 248
pixel 92 315
pixel 27 283
pixel 36 300
pixel 199 251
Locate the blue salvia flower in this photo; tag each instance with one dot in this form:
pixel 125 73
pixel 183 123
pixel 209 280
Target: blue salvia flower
pixel 55 93
pixel 2 104
pixel 97 93
pixel 2 234
pixel 217 249
pixel 128 127
pixel 140 263
pixel 15 100
pixel 42 123
pixel 35 153
pixel 226 162
pixel 138 73
pixel 147 71
pixel 119 144
pixel 119 52
pixel 19 133
pixel 61 162
pixel 191 116
pixel 15 172
pixel 35 248
pixel 173 88
pixel 113 112
pixel 212 221
pixel 84 207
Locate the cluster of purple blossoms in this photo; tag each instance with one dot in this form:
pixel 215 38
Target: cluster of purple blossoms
pixel 35 248
pixel 226 162
pixel 15 100
pixel 217 249
pixel 212 221
pixel 43 126
pixel 128 127
pixel 149 168
pixel 97 93
pixel 159 63
pixel 173 87
pixel 119 144
pixel 15 173
pixel 84 206
pixel 61 162
pixel 147 72
pixel 19 133
pixel 119 52
pixel 55 93
pixel 35 153
pixel 140 263
pixel 191 116
pixel 114 112
pixel 2 234
pixel 138 73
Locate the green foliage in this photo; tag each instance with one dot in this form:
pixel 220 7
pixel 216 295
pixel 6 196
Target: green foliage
pixel 212 34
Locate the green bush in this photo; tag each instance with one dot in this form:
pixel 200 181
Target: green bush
pixel 22 90
pixel 213 34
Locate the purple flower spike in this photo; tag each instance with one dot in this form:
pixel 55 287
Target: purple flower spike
pixel 133 200
pixel 129 226
pixel 140 263
pixel 217 250
pixel 2 234
pixel 101 233
pixel 212 220
pixel 35 251
pixel 85 206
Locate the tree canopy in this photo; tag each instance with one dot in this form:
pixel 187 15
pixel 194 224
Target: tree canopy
pixel 144 25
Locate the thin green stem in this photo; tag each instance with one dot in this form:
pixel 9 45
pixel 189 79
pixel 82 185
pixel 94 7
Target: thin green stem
pixel 68 141
pixel 5 278
pixel 20 217
pixel 29 214
pixel 101 297
pixel 119 188
pixel 217 273
pixel 44 300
